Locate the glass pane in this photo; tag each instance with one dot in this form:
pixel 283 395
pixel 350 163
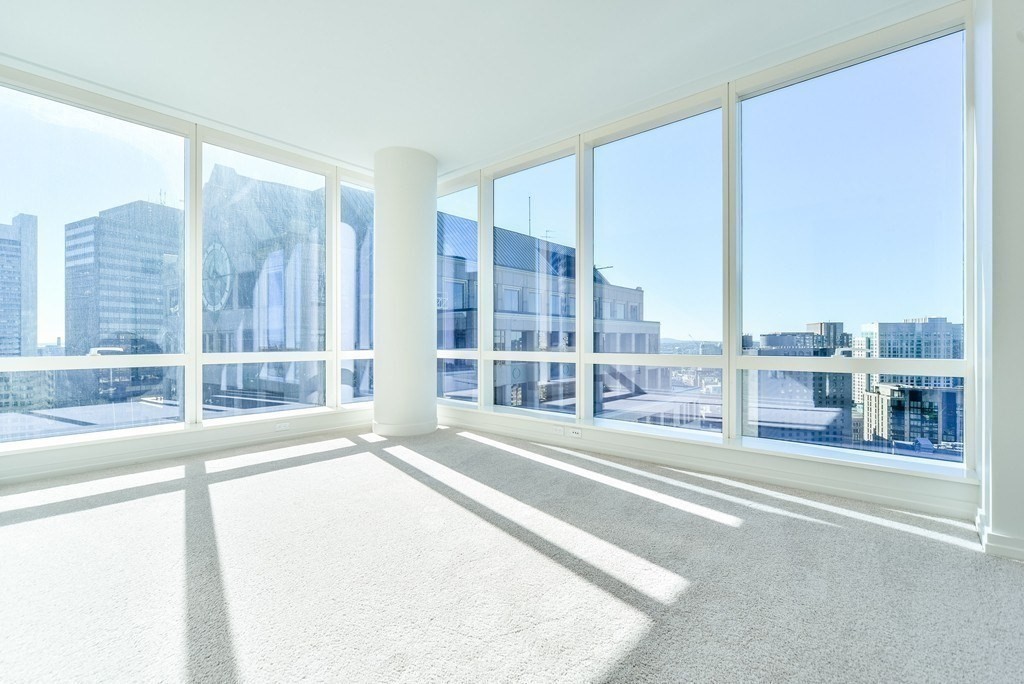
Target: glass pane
pixel 263 270
pixel 457 379
pixel 91 232
pixel 355 244
pixel 660 395
pixel 535 385
pixel 245 388
pixel 660 188
pixel 356 380
pixel 923 418
pixel 457 271
pixel 535 258
pixel 852 208
pixel 50 403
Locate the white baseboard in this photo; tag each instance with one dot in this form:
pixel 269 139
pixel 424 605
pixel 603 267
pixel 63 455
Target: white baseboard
pixel 909 491
pixel 385 430
pixel 998 544
pixel 1001 545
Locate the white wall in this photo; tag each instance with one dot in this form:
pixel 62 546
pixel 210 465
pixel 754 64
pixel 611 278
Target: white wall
pixel 999 113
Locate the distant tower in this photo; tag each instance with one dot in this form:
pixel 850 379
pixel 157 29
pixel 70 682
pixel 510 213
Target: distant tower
pixel 18 305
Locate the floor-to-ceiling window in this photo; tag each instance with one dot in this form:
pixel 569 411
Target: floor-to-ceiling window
pixel 92 270
pixel 782 261
pixel 458 277
pixel 534 286
pixel 263 265
pixel 658 223
pixel 355 293
pixel 853 234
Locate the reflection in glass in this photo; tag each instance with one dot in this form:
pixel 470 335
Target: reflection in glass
pixel 535 385
pixel 535 258
pixel 247 388
pixel 91 232
pixel 457 379
pixel 355 273
pixel 904 419
pixel 662 187
pixel 50 403
pixel 263 270
pixel 356 380
pixel 457 272
pixel 852 209
pixel 659 395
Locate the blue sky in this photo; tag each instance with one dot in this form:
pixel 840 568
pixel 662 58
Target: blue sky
pixel 852 206
pixel 852 197
pixel 853 194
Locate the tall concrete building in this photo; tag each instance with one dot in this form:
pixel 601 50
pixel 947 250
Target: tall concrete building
pixel 914 338
pixel 18 312
pixel 832 335
pixel 123 280
pixel 18 276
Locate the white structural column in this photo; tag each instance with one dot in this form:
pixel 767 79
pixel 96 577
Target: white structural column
pixel 405 290
pixel 999 111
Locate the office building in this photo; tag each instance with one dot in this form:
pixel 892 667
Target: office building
pixel 18 255
pixel 123 281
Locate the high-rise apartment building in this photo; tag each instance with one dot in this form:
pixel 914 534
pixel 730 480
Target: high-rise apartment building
pixel 924 417
pixel 18 305
pixel 914 338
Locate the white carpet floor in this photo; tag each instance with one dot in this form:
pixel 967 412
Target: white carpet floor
pixel 466 557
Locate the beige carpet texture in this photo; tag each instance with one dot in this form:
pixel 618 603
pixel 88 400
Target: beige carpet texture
pixel 467 557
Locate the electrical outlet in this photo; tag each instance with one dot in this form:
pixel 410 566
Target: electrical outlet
pixel 557 430
pixel 576 432
pixel 281 427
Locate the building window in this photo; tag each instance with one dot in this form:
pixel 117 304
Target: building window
pixel 457 379
pixel 92 262
pixel 541 386
pixel 457 270
pixel 845 176
pixel 248 388
pixel 658 236
pixel 355 272
pixel 535 247
pixel 269 220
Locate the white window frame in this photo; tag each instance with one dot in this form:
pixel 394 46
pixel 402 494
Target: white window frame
pixel 465 182
pixel 192 359
pixel 922 29
pixel 945 21
pixel 485 336
pixel 695 105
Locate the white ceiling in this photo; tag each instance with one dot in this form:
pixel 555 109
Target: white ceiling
pixel 470 81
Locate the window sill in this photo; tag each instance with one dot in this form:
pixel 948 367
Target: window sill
pixel 547 425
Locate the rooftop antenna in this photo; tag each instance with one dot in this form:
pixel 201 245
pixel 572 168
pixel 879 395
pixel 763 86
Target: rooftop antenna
pixel 529 215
